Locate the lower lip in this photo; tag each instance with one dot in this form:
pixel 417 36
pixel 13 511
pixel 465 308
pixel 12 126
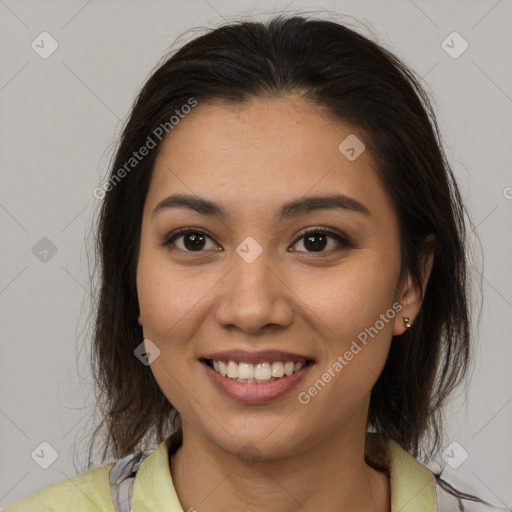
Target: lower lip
pixel 255 393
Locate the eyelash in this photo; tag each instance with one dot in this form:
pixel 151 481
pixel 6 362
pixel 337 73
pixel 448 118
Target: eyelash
pixel 343 240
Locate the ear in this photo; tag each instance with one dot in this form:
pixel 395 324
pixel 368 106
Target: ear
pixel 139 319
pixel 411 294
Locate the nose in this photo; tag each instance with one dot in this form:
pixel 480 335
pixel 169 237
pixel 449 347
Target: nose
pixel 254 296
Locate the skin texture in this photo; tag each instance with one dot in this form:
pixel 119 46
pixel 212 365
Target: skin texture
pixel 252 158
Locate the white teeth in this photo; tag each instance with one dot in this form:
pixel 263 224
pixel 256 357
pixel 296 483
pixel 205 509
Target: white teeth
pixel 245 371
pixel 232 370
pixel 288 368
pixel 260 373
pixel 277 369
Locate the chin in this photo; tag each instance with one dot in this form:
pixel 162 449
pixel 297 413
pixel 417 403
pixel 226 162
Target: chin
pixel 257 440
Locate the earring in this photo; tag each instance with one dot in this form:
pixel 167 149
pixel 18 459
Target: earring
pixel 407 322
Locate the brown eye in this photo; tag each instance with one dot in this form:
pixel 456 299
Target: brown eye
pixel 316 240
pixel 192 240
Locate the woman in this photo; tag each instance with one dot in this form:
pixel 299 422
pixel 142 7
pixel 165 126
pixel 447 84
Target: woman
pixel 283 284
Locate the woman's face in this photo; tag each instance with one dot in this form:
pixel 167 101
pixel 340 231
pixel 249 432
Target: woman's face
pixel 247 286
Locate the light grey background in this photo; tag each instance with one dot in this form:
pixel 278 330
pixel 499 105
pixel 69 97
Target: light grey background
pixel 59 119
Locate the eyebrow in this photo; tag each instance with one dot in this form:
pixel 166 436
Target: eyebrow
pixel 293 208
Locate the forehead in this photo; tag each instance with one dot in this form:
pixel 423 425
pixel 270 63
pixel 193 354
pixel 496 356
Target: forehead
pixel 263 152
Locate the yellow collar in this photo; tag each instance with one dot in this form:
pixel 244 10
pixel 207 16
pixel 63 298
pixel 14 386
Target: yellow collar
pixel 412 484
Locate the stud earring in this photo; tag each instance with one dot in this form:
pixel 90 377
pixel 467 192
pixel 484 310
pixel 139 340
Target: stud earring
pixel 407 322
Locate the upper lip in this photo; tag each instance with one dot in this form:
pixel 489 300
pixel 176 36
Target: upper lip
pixel 244 356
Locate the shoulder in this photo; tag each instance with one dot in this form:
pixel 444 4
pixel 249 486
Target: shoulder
pixel 87 492
pixel 414 488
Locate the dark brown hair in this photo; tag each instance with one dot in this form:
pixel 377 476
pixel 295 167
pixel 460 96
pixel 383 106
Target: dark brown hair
pixel 357 82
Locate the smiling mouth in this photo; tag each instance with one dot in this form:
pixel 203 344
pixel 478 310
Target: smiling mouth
pixel 260 373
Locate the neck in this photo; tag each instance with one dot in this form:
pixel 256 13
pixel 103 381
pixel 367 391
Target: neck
pixel 330 476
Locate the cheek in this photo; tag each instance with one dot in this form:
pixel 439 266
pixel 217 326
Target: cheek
pixel 166 302
pixel 173 301
pixel 354 318
pixel 353 309
pixel 169 296
pixel 351 296
pixel 177 383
